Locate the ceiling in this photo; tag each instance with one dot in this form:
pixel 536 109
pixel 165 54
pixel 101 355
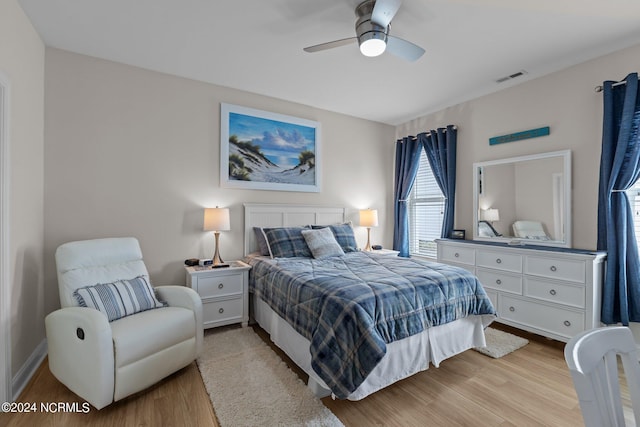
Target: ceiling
pixel 256 45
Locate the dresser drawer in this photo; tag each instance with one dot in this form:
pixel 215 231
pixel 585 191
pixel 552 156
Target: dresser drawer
pixel 560 321
pixel 500 281
pixel 573 295
pixel 458 255
pixel 219 285
pixel 561 269
pixel 222 311
pixel 500 260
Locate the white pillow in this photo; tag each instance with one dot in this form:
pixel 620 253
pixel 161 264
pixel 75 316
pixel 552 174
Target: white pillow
pixel 322 243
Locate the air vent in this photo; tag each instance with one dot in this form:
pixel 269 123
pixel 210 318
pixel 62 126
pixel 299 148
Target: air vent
pixel 512 76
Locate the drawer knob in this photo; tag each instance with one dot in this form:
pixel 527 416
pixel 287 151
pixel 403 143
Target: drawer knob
pixel 567 323
pixel 221 310
pixel 512 308
pixel 553 268
pixel 457 255
pixel 220 286
pixel 498 282
pixel 552 291
pixel 499 261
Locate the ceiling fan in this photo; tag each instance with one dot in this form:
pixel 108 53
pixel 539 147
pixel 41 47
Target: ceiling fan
pixel 372 32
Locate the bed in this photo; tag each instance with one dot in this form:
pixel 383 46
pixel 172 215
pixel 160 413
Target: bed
pixel 356 322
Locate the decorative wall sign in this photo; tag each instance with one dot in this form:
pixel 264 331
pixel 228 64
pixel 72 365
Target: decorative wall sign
pixel 267 151
pixel 527 134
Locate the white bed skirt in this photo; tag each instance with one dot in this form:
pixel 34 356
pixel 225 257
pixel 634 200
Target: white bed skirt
pixel 403 358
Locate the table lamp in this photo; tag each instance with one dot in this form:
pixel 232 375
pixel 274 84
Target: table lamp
pixel 217 220
pixel 368 218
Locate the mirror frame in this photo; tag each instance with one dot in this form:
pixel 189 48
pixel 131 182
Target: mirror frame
pixel 566 158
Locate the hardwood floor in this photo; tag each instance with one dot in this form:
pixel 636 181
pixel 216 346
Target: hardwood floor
pixel 531 387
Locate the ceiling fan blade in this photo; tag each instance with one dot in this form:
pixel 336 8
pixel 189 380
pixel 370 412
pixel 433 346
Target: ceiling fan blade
pixel 384 11
pixel 330 45
pixel 404 49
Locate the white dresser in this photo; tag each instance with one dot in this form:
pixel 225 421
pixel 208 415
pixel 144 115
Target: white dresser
pixel 554 292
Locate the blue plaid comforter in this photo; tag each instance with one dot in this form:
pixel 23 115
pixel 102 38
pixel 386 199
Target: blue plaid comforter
pixel 350 307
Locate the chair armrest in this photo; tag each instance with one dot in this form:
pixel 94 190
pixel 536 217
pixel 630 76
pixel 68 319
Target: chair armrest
pixel 80 348
pixel 181 296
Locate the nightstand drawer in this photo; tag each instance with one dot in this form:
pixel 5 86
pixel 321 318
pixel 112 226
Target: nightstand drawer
pixel 221 311
pixel 500 260
pixel 500 281
pixel 217 286
pixel 561 269
pixel 458 255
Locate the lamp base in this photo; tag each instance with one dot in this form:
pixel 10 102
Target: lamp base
pixel 217 260
pixel 368 247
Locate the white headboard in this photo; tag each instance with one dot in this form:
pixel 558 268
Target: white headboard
pixel 270 215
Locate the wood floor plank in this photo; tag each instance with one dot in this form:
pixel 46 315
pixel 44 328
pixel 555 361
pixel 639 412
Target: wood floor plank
pixel 530 387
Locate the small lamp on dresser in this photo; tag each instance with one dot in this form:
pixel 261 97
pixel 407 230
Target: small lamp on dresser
pixel 217 220
pixel 368 218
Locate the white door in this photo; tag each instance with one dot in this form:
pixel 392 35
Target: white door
pixel 5 295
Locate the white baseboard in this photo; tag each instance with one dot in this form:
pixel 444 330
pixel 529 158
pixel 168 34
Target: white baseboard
pixel 22 377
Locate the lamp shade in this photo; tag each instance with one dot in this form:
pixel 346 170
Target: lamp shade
pixel 216 219
pixel 491 215
pixel 369 218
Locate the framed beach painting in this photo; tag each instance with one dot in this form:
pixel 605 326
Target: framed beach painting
pixel 267 151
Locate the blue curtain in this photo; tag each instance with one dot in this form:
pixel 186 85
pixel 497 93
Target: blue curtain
pixel 619 170
pixel 408 152
pixel 440 146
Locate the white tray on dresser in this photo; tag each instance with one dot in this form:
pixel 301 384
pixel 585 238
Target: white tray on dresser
pixel 554 292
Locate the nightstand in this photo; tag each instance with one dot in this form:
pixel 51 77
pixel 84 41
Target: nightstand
pixel 224 293
pixel 389 252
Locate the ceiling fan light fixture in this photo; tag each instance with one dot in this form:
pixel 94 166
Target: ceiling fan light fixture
pixel 373 43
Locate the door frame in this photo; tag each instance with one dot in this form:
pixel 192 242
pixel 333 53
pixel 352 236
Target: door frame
pixel 6 389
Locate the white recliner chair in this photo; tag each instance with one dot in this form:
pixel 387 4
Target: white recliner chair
pixel 104 361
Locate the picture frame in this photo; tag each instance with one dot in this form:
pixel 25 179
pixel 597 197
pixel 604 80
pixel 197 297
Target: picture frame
pixel 458 234
pixel 261 150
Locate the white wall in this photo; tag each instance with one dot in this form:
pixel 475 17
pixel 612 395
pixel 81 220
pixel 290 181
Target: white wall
pixel 134 152
pixel 22 61
pixel 565 101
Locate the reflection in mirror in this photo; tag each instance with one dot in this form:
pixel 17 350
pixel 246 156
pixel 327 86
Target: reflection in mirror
pixel 524 199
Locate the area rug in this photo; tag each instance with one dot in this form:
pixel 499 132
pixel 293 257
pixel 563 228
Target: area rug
pixel 500 343
pixel 250 385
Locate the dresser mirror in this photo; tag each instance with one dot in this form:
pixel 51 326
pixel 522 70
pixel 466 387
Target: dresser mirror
pixel 524 200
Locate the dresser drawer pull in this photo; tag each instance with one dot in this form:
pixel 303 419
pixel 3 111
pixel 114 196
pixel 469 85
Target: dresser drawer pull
pixel 498 261
pixel 498 282
pixel 552 291
pixel 512 308
pixel 553 268
pixel 221 310
pixel 567 323
pixel 457 255
pixel 220 286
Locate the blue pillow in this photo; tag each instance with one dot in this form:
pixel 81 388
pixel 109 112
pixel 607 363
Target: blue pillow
pixel 261 239
pixel 287 242
pixel 344 235
pixel 119 299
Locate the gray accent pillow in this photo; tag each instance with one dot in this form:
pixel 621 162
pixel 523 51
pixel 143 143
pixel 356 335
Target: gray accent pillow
pixel 322 243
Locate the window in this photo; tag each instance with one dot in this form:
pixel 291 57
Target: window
pixel 426 211
pixel 634 199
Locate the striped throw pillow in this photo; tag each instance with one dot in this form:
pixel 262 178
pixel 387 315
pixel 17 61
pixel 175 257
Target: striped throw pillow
pixel 119 299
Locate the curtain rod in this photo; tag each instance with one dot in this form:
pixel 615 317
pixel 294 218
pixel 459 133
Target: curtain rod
pixel 428 133
pixel 600 88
